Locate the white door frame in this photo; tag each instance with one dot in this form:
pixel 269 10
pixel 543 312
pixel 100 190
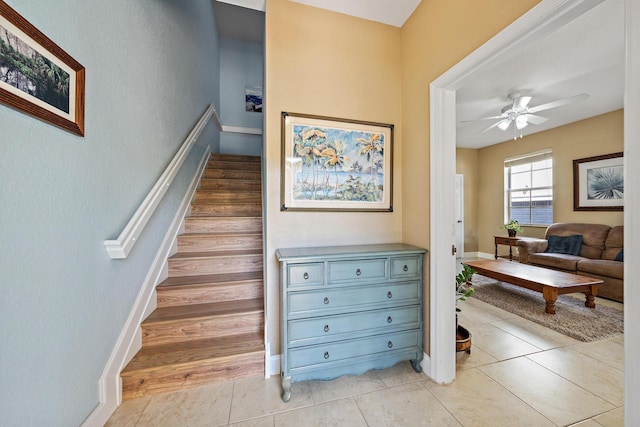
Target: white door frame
pixel 540 21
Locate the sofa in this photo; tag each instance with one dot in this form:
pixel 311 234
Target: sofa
pixel 592 250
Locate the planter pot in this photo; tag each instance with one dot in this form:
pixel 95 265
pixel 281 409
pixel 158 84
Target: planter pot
pixel 463 339
pixel 512 233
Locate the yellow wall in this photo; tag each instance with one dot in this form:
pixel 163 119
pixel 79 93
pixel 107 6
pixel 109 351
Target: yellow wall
pixel 324 63
pixel 437 36
pixel 467 165
pixel 591 137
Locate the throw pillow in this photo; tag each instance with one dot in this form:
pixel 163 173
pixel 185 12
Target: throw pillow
pixel 569 245
pixel 620 256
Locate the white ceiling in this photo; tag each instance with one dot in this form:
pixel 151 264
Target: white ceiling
pixel 391 12
pixel 584 56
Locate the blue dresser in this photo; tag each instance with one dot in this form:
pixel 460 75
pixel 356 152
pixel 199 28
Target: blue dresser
pixel 348 309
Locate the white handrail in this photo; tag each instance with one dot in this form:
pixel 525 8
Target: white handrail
pixel 120 248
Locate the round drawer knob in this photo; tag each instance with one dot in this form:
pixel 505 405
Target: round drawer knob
pixel 358 272
pixel 389 294
pixel 406 268
pixel 326 328
pixel 305 275
pixel 326 300
pixel 390 344
pixel 326 354
pixel 389 319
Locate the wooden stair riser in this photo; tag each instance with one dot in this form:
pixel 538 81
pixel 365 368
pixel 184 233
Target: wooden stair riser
pixel 236 158
pixel 223 225
pixel 181 330
pixel 218 242
pixel 173 378
pixel 232 174
pixel 230 184
pixel 241 166
pixel 179 295
pixel 214 265
pixel 227 197
pixel 245 209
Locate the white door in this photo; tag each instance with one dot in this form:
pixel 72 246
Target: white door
pixel 459 215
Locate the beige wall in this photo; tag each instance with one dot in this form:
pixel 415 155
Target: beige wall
pixel 329 64
pixel 592 137
pixel 467 165
pixel 325 63
pixel 438 35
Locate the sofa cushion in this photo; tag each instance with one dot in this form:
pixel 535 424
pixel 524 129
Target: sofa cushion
pixel 564 244
pixel 601 267
pixel 593 236
pixel 557 261
pixel 614 243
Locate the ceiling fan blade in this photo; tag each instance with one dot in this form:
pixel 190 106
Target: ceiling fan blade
pixel 521 102
pixel 559 103
pixel 505 123
pixel 482 118
pixel 536 120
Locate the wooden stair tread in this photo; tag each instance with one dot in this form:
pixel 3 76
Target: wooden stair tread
pixel 213 279
pixel 193 352
pixel 212 254
pixel 220 234
pixel 225 308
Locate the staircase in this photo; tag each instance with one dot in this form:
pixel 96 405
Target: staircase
pixel 209 322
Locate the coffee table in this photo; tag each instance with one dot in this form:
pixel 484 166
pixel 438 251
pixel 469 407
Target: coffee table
pixel 550 283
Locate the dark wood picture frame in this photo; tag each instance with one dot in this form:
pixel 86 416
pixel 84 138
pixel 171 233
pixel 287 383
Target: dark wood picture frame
pixel 607 170
pixel 43 50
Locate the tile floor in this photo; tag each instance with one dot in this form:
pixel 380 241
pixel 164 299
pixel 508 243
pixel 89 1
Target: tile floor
pixel 518 374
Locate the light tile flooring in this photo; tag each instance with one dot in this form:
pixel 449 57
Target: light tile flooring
pixel 518 374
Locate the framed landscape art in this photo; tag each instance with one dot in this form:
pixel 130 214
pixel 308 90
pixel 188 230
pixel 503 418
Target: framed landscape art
pixel 37 77
pixel 598 183
pixel 336 164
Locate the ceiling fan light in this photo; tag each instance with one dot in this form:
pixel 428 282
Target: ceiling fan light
pixel 521 122
pixel 503 125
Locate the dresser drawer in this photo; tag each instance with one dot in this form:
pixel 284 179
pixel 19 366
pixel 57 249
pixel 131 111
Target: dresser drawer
pixel 341 350
pixel 331 326
pixel 359 269
pixel 306 274
pixel 405 267
pixel 335 298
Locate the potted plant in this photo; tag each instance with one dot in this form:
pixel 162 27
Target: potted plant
pixel 463 291
pixel 512 227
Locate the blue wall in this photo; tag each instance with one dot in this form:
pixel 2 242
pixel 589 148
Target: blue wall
pixel 241 64
pixel 152 69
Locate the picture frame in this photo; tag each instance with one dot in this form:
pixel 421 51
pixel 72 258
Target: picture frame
pixel 37 77
pixel 334 164
pixel 598 183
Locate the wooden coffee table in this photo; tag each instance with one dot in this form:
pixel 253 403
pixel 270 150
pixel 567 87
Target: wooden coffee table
pixel 550 283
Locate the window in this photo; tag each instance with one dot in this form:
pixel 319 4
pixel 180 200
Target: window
pixel 528 188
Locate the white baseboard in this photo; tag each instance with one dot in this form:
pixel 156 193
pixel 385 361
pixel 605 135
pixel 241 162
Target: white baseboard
pixel 274 365
pixel 130 340
pixel 483 255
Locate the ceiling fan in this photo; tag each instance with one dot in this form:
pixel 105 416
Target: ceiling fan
pixel 521 115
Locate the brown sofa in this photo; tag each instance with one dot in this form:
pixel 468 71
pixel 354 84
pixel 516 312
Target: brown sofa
pixel 601 245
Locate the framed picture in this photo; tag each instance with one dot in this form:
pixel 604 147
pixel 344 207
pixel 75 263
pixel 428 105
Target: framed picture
pixel 336 164
pixel 598 183
pixel 253 98
pixel 37 77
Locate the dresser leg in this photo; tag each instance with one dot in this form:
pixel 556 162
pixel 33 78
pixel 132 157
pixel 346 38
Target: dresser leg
pixel 415 364
pixel 286 389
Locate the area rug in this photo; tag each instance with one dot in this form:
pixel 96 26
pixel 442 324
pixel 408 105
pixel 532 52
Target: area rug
pixel 572 318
